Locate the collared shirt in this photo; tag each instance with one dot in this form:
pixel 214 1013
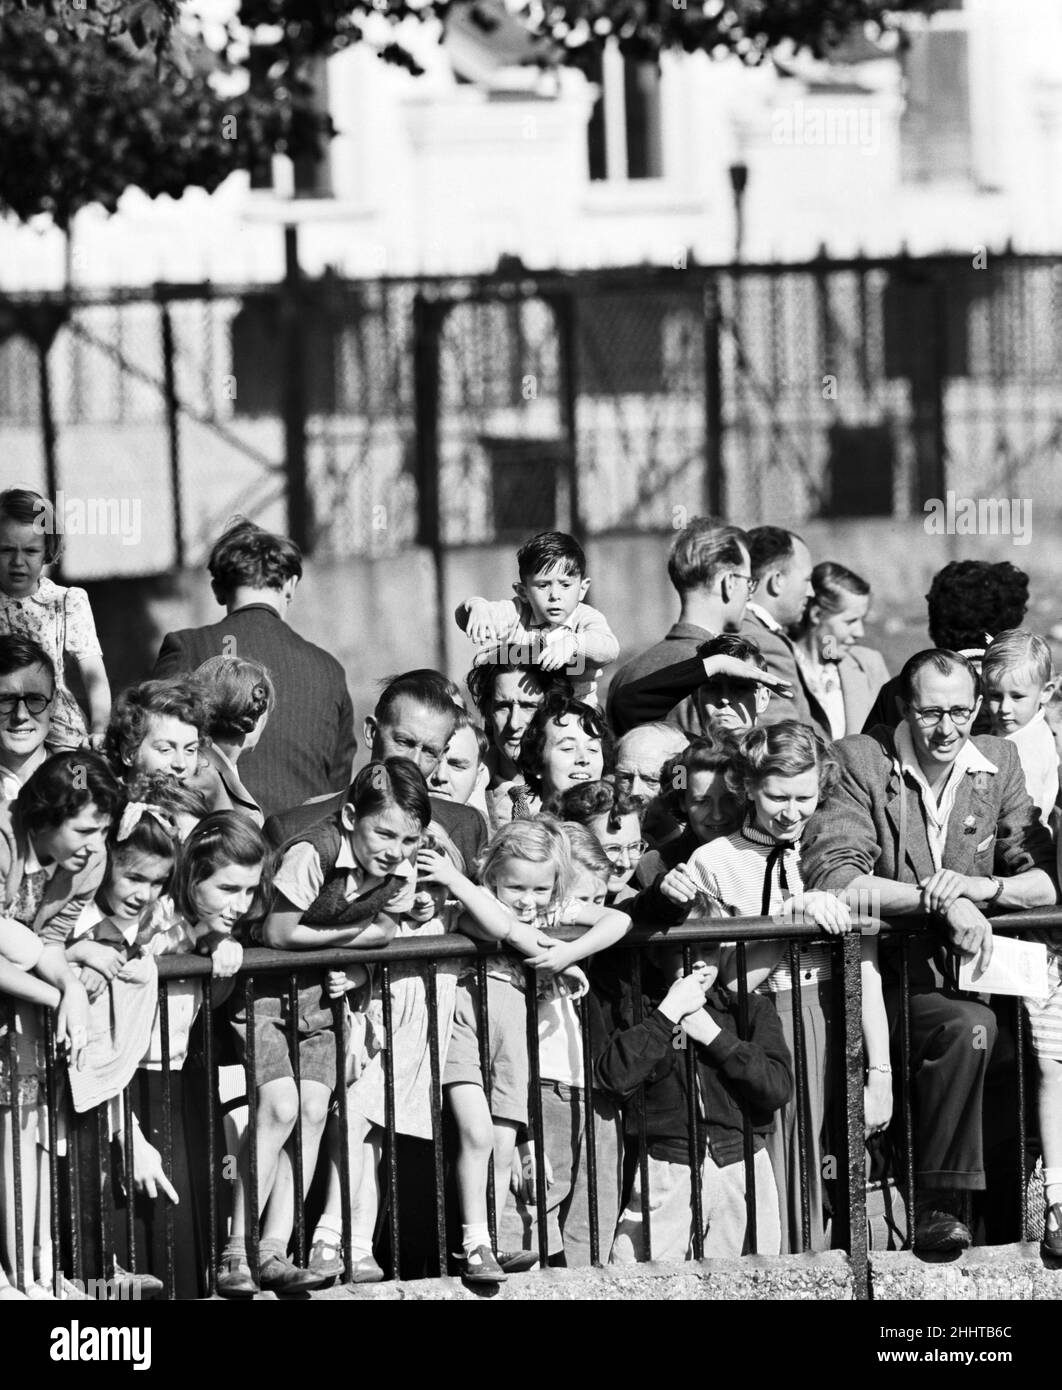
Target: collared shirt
pixel 740 870
pixel 938 809
pixel 11 783
pixel 300 877
pixel 823 679
pixel 765 618
pixel 1039 761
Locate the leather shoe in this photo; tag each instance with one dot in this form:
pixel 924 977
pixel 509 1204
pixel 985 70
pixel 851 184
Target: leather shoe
pixel 137 1286
pixel 365 1271
pixel 282 1275
pixel 939 1224
pixel 234 1279
pixel 518 1261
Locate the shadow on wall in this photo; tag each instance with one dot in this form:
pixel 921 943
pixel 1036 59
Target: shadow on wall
pixel 378 617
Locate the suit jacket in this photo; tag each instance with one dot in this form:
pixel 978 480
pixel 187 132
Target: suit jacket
pixel 680 642
pixel 65 894
pixel 781 660
pixel 994 827
pixel 863 672
pixel 464 824
pixel 308 744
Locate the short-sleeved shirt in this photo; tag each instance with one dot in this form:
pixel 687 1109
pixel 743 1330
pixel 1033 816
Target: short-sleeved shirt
pixel 54 616
pixel 59 619
pixel 300 877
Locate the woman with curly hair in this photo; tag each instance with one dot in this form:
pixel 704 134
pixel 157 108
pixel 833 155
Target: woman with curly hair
pixel 158 726
pixel 241 698
pixel 782 772
pixel 566 742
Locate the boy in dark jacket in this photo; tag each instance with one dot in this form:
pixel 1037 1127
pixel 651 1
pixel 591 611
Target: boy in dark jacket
pixel 697 1013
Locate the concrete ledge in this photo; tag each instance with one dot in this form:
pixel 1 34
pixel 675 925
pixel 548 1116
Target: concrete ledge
pixel 1001 1273
pixel 803 1277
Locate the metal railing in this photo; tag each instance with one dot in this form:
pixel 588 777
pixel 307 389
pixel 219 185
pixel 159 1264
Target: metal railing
pixel 82 1222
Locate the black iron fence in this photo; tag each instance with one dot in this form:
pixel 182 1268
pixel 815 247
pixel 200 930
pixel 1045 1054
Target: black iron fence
pixel 89 1156
pixel 371 415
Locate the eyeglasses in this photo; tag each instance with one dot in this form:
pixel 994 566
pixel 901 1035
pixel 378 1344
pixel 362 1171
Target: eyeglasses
pixel 35 704
pixel 753 584
pixel 930 718
pixel 618 854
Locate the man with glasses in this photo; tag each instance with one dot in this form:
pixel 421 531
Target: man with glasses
pixel 27 693
pixel 930 820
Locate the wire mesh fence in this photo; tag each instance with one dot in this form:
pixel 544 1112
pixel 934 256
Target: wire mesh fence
pixel 462 412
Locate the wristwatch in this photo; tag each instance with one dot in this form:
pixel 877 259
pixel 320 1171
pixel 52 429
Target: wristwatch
pixel 998 893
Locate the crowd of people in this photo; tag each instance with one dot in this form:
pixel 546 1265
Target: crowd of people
pixel 759 760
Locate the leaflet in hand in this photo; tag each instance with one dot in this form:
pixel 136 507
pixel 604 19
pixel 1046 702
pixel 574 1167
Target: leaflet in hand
pixel 1016 967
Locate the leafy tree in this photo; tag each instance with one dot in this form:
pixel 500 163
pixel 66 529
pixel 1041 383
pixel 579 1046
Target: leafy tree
pixel 100 95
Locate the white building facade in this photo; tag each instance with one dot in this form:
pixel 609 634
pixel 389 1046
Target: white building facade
pixel 957 147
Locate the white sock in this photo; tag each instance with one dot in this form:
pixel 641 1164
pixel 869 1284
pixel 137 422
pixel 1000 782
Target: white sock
pixel 1052 1185
pixel 327 1232
pixel 477 1233
pixel 360 1246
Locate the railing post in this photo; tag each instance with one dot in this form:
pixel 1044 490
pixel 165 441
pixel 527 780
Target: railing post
pixel 852 1184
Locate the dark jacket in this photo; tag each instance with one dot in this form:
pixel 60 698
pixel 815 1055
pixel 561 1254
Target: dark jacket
pixel 307 747
pixel 681 641
pixel 757 1073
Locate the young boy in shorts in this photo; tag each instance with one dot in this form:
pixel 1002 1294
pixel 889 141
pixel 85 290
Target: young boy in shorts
pixel 331 890
pixel 548 624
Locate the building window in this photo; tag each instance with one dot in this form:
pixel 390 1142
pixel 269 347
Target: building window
pixel 936 135
pixel 625 137
pixel 311 174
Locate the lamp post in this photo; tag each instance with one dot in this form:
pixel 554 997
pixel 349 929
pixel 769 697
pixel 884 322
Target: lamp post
pixel 739 178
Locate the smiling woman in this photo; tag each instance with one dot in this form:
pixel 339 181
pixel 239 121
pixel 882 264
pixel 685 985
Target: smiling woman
pixel 843 675
pixel 567 742
pixel 52 860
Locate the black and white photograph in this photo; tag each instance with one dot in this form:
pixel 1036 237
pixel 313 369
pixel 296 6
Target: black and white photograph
pixel 530 669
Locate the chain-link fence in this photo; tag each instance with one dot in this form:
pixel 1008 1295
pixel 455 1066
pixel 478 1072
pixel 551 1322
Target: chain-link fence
pixel 461 412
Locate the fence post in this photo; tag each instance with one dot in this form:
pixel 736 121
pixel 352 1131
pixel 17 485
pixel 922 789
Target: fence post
pixel 427 327
pixel 300 514
pixel 48 437
pixel 852 1184
pixel 714 478
pixel 169 378
pixel 564 311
